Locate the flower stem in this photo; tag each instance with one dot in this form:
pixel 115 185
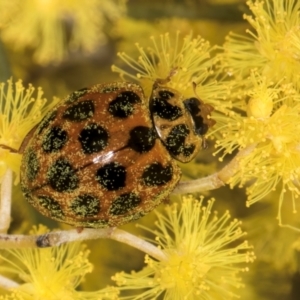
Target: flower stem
pixel 7 283
pixel 57 238
pixel 208 183
pixel 136 242
pixel 230 169
pixel 215 180
pixel 5 206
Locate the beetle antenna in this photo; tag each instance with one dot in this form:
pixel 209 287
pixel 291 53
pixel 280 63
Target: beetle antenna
pixel 24 143
pixel 12 150
pixel 206 110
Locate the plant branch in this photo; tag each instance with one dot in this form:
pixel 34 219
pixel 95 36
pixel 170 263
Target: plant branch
pixel 57 238
pixel 234 165
pixel 215 180
pixel 7 283
pixel 5 205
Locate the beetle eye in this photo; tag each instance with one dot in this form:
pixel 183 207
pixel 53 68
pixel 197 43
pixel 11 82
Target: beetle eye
pixel 199 112
pixel 193 105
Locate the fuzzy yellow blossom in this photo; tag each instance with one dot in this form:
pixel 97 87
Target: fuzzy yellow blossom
pixel 204 255
pixel 188 59
pixel 21 109
pixel 50 273
pixel 54 27
pixel 261 98
pixel 272 46
pixel 272 128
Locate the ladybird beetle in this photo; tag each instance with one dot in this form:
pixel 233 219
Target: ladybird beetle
pixel 105 156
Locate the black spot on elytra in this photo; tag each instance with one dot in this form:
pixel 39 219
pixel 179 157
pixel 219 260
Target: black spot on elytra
pixel 193 105
pixel 85 205
pixel 156 174
pixel 54 139
pixel 62 176
pixel 93 138
pixel 46 121
pixel 27 193
pixel 32 164
pixel 164 94
pixel 124 203
pixel 142 139
pixel 123 105
pixel 112 176
pixel 175 141
pixel 51 206
pixel 165 110
pixel 79 111
pixel 76 95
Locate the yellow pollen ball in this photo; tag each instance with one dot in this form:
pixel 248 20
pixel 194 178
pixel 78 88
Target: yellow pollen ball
pixel 260 108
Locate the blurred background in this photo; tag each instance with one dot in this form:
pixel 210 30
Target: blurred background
pixel 63 46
